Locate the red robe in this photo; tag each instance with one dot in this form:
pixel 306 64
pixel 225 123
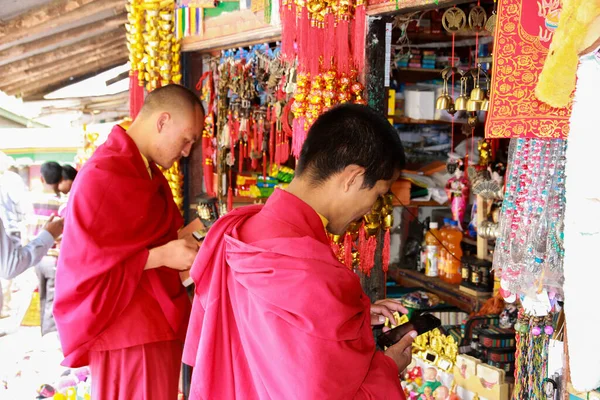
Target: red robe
pixel 105 300
pixel 277 316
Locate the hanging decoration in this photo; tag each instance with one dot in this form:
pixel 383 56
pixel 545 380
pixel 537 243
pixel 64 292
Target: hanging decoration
pixel 529 252
pixel 533 334
pixel 154 54
pixel 524 30
pixel 357 246
pixel 247 134
pixel 89 146
pixel 328 70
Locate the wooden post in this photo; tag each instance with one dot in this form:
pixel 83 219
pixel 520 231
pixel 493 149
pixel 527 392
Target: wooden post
pixel 374 286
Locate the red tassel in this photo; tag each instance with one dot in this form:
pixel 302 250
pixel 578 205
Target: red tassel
pixel 329 45
pixel 229 199
pixel 386 251
pixel 348 250
pixel 285 149
pixel 304 39
pixel 362 247
pixel 136 95
pixel 369 262
pixel 336 249
pixel 288 29
pixel 298 136
pixel 209 171
pixel 358 43
pixel 343 51
pixel 241 157
pixel 264 164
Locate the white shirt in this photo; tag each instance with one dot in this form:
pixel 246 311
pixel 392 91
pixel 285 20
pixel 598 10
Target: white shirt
pixel 14 202
pixel 15 259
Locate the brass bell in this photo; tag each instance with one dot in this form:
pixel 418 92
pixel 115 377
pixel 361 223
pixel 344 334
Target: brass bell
pixel 443 102
pixel 485 105
pixel 478 94
pixel 461 103
pixel 388 221
pixel 473 105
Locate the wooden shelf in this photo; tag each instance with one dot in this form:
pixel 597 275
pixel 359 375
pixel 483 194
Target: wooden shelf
pixel 424 70
pixel 406 120
pixel 447 292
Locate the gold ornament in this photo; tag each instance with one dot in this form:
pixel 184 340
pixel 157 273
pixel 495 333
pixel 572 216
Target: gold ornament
pixel 477 18
pixel 454 19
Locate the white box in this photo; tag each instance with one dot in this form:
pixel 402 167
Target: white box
pixel 419 104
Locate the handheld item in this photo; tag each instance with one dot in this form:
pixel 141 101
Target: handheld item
pixel 420 323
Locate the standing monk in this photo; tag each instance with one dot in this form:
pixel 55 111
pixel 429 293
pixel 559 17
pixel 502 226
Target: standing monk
pixel 275 314
pixel 120 306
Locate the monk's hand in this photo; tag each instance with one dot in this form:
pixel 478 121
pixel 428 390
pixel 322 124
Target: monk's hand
pixel 177 254
pixel 401 352
pixel 386 308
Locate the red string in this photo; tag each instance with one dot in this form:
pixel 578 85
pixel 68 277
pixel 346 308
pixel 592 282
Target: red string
pixel 452 126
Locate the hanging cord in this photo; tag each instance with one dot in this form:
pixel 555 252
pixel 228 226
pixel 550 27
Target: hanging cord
pixel 423 225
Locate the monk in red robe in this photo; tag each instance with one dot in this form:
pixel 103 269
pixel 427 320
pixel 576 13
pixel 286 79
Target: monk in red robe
pixel 275 314
pixel 120 305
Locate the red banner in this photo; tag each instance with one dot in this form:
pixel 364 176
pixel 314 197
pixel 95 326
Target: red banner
pixel 524 30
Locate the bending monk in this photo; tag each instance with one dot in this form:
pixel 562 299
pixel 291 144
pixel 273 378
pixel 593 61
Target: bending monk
pixel 120 306
pixel 275 314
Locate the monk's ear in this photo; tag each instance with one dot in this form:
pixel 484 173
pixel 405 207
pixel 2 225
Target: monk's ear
pixel 352 177
pixel 162 120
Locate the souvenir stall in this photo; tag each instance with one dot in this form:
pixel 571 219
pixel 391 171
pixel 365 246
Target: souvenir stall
pixel 487 160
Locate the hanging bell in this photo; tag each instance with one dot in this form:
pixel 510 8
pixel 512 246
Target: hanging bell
pixel 478 94
pixel 473 105
pixel 461 103
pixel 443 102
pixel 485 105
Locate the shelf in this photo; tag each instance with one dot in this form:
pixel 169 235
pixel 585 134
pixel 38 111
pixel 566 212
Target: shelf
pixel 447 292
pixel 424 70
pixel 406 120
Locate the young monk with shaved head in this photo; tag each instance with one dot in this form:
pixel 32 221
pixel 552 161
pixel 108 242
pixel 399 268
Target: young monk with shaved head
pixel 120 306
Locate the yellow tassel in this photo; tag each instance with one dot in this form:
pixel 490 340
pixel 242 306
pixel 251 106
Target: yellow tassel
pixel 557 81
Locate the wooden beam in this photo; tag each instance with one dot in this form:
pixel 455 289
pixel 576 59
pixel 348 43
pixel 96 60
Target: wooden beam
pixel 20 51
pixel 52 15
pixel 66 68
pixel 39 93
pixel 118 78
pixel 13 71
pixel 34 87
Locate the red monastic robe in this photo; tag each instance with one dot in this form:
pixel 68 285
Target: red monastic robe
pixel 277 316
pixel 105 300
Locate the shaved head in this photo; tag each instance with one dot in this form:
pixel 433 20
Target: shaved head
pixel 169 123
pixel 170 98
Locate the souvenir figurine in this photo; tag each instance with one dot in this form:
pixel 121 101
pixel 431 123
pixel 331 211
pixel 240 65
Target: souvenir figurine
pixel 508 317
pixel 441 393
pixel 457 190
pixel 549 389
pixel 430 384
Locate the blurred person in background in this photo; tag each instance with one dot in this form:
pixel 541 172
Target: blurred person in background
pixel 14 209
pixel 45 204
pixel 68 176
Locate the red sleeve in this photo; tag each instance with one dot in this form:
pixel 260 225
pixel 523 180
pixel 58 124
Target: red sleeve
pixel 382 380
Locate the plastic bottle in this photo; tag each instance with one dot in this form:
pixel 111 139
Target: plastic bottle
pixel 432 250
pixel 443 251
pixel 423 254
pixel 453 262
